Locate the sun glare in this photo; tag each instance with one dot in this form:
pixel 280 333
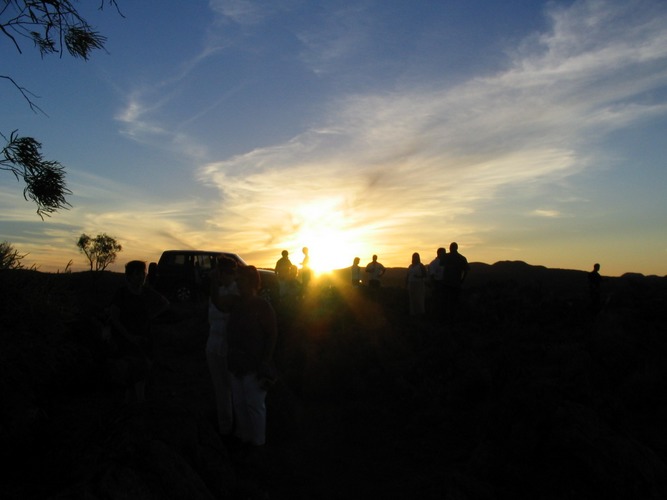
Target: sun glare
pixel 328 250
pixel 331 245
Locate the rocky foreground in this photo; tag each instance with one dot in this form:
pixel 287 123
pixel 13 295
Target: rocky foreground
pixel 526 394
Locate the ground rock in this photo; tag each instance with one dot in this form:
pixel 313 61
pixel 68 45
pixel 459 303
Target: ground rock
pixel 155 450
pixel 539 444
pixel 148 470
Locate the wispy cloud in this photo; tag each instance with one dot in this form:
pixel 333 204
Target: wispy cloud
pixel 343 33
pixel 410 157
pixel 541 212
pixel 135 117
pixel 244 12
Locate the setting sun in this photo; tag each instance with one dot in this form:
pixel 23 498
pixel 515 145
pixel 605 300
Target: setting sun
pixel 331 242
pixel 328 250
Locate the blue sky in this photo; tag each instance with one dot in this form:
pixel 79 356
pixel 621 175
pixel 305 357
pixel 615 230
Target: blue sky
pixel 523 130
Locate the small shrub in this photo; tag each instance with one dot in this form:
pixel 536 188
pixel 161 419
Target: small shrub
pixel 10 258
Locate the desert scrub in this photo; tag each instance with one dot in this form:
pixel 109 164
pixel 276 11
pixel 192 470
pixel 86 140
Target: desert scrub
pixel 38 359
pixel 35 314
pixel 31 301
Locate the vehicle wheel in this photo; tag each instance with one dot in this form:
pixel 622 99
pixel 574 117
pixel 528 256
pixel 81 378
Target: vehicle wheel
pixel 269 295
pixel 183 293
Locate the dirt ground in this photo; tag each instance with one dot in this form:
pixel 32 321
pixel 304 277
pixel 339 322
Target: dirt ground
pixel 524 396
pixel 319 449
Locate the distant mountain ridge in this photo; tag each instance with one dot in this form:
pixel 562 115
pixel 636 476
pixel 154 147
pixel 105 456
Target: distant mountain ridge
pixel 524 274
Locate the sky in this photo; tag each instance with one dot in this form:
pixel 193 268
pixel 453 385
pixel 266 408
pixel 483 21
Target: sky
pixel 523 130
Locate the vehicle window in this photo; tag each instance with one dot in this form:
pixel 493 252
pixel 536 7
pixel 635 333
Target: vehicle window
pixel 169 259
pixel 178 259
pixel 204 262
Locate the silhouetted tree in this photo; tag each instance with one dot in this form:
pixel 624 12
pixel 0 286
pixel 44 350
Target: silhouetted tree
pixel 51 26
pixel 100 250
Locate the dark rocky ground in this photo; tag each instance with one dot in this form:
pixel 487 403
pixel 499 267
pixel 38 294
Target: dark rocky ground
pixel 526 394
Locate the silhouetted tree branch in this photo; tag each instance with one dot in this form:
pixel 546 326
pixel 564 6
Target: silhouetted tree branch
pixel 52 26
pixel 44 179
pixel 27 95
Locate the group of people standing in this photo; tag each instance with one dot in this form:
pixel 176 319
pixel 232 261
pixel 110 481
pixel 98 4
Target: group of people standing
pixel 243 327
pixel 444 274
pixel 290 277
pixel 239 351
pixel 374 269
pixel 447 272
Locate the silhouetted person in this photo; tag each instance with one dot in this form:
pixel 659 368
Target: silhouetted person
pixel 594 284
pixel 252 337
pixel 151 277
pixel 435 271
pixel 217 345
pixel 455 270
pixel 376 271
pixel 131 313
pixel 306 272
pixel 355 272
pixel 252 340
pixel 283 272
pixel 416 284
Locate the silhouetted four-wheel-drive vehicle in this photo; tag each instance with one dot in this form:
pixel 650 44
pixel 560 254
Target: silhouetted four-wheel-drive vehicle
pixel 183 275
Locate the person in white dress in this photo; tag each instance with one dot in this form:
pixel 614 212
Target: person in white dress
pixel 217 344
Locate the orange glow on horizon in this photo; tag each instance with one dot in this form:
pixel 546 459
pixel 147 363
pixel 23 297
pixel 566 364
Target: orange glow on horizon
pixel 331 239
pixel 328 249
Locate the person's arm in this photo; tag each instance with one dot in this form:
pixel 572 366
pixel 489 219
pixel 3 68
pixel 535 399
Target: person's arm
pixel 114 318
pixel 430 273
pixel 466 268
pixel 269 325
pixel 159 303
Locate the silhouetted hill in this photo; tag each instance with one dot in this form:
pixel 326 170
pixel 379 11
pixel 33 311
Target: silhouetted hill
pixel 569 282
